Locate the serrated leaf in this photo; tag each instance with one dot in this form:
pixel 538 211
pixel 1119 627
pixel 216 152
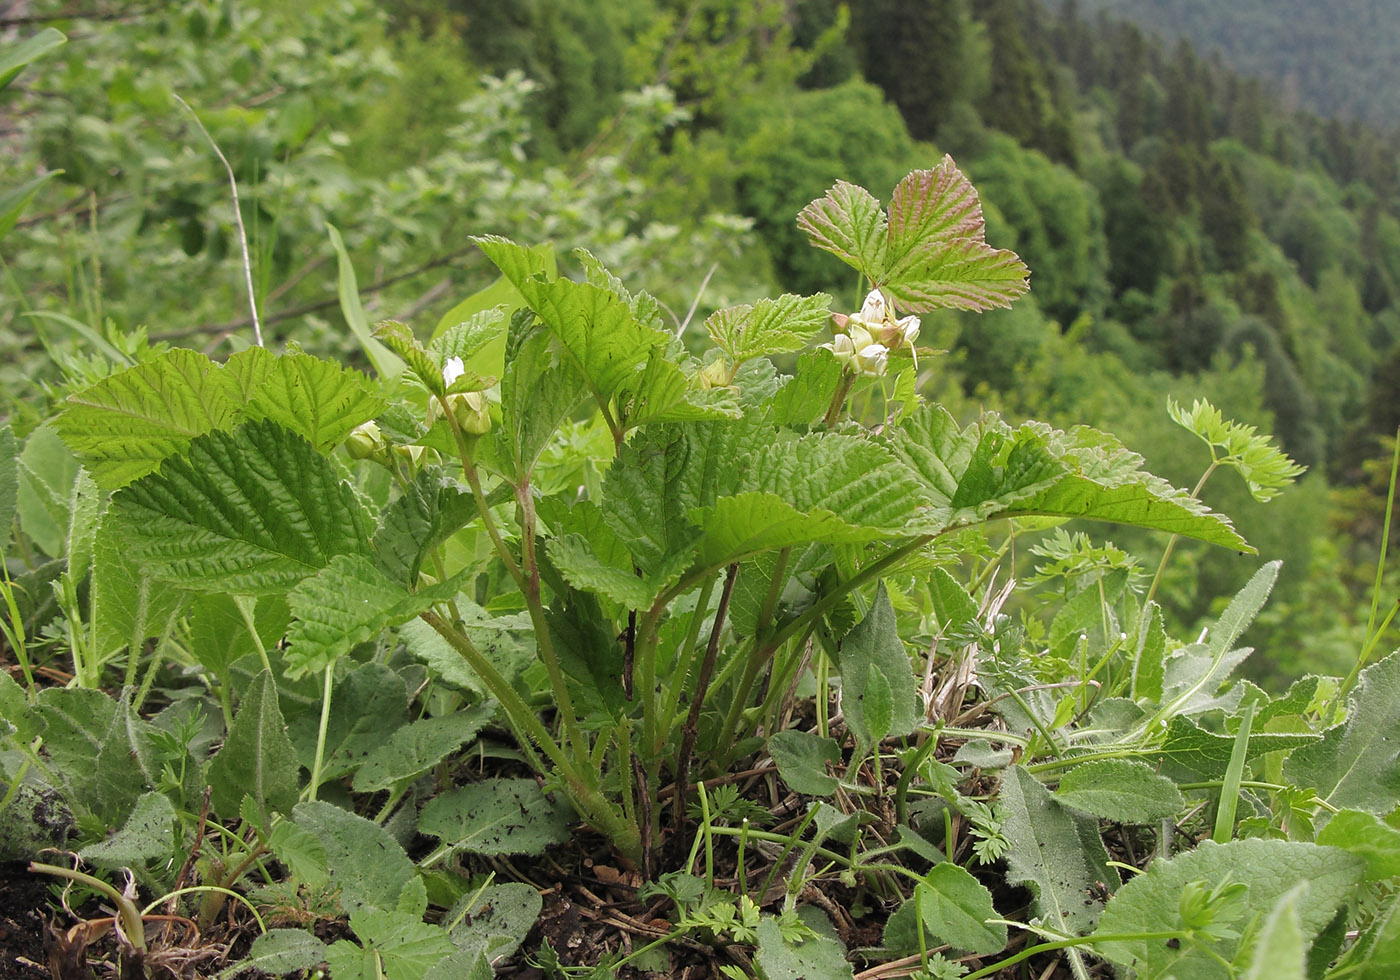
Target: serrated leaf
pixel 537 392
pixel 749 523
pixel 642 497
pixel 957 274
pixel 955 908
pixel 849 223
pixel 404 946
pixel 604 341
pixel 47 473
pixel 125 425
pixel 1357 764
pixel 584 570
pixel 1269 869
pixel 873 649
pixel 252 511
pixel 802 758
pixel 820 956
pixel 257 758
pixel 365 862
pixel 219 632
pixel 347 603
pixel 1055 853
pixel 1190 753
pixel 16 713
pixel 1265 468
pixel 499 816
pixel 279 952
pixel 319 400
pixel 1376 953
pixel 400 339
pixel 662 392
pixel 770 326
pixel 1121 790
pixel 147 835
pixel 417 747
pixel 128 605
pixel 429 510
pixel 927 204
pixel 805 397
pixel 1369 838
pixel 301 852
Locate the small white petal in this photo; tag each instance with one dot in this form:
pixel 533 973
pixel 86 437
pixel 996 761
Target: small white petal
pixel 873 310
pixel 908 329
pixel 452 370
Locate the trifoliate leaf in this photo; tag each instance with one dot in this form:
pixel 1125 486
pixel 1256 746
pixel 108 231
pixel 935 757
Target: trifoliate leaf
pixel 125 425
pixel 252 511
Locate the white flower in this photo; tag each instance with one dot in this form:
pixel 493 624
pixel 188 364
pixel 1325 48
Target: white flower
pixel 872 311
pixel 908 329
pixel 452 370
pixel 873 359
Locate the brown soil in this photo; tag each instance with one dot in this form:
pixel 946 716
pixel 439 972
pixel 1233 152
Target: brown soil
pixel 24 905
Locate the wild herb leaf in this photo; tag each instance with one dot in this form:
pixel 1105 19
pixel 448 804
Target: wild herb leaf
pixel 417 747
pixel 1357 764
pixel 99 748
pixel 749 523
pixel 9 486
pixel 1054 852
pixel 642 500
pixel 1375 955
pixel 429 510
pixel 1189 753
pixel 770 326
pixel 124 426
pixel 1263 466
pixel 1269 870
pixel 1280 952
pixel 538 393
pixel 805 397
pixel 1369 838
pixel 257 759
pixel 402 946
pixel 248 512
pixel 148 834
pixel 364 862
pixel 1121 790
pixel 279 952
pixel 813 953
pixel 802 758
pixel 370 703
pixel 873 650
pixel 497 919
pixel 850 224
pixel 219 633
pixel 47 473
pixel 128 604
pixel 955 908
pixel 498 816
pixel 319 400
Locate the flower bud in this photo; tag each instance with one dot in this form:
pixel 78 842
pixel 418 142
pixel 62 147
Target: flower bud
pixel 365 441
pixel 716 374
pixel 873 360
pixel 470 410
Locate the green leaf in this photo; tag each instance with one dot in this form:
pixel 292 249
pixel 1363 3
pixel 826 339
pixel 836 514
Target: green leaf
pixel 1055 853
pixel 873 649
pixel 321 401
pixel 128 605
pixel 955 908
pixel 1280 952
pixel 47 473
pixel 538 392
pixel 1269 869
pixel 14 201
pixel 253 512
pixel 805 397
pixel 9 486
pixel 604 341
pixel 1264 467
pixel 496 921
pixel 369 704
pixel 219 633
pixel 403 946
pixel 17 715
pixel 642 497
pixel 400 339
pixel 419 746
pixel 347 603
pixel 1376 953
pixel 365 863
pixel 257 758
pixel 748 523
pixel 386 364
pixel 279 952
pixel 770 326
pixel 1369 838
pixel 99 748
pixel 849 223
pixel 429 511
pixel 584 570
pixel 802 758
pixel 819 955
pixel 1189 753
pixel 125 425
pixel 498 816
pixel 1357 764
pixel 1120 789
pixel 147 835
pixel 18 54
pixel 938 255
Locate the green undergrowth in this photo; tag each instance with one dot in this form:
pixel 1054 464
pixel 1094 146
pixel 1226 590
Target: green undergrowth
pixel 345 663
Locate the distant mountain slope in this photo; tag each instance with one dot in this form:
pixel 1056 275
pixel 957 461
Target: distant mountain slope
pixel 1337 57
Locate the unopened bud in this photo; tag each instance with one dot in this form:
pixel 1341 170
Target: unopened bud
pixel 470 410
pixel 715 374
pixel 365 441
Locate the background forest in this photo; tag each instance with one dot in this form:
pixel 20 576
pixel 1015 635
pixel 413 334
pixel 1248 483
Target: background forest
pixel 1189 234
